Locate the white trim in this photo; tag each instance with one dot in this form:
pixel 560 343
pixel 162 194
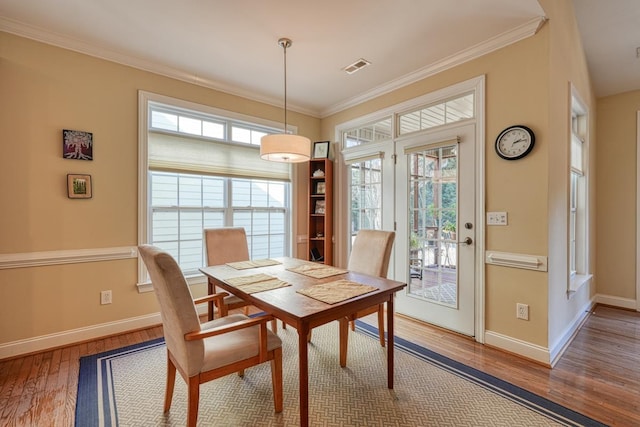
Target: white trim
pixel 565 339
pixel 525 30
pixel 74 256
pixel 506 259
pixel 73 336
pixel 637 211
pixel 519 347
pixel 522 32
pixel 615 301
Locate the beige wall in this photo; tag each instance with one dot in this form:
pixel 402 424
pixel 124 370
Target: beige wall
pixel 519 187
pixel 44 89
pixel 616 188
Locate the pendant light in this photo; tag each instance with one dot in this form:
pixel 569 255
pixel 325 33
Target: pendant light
pixel 285 147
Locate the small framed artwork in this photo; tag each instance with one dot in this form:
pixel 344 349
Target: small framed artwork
pixel 77 144
pixel 321 150
pixel 79 186
pixel 320 205
pixel 320 188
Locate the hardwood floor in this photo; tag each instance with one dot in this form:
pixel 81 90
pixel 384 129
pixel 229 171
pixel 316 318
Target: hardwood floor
pixel 599 374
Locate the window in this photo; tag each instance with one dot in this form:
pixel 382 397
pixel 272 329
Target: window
pixel 182 205
pixel 578 182
pixel 372 132
pixel 200 168
pixel 366 195
pixel 437 114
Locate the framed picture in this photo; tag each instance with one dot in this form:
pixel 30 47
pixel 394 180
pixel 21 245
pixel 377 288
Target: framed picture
pixel 320 207
pixel 79 186
pixel 320 188
pixel 77 144
pixel 321 150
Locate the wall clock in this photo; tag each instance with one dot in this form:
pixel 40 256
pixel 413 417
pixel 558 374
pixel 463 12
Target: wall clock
pixel 515 142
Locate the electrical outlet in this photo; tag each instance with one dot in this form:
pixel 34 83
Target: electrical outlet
pixel 105 297
pixel 522 311
pixel 496 218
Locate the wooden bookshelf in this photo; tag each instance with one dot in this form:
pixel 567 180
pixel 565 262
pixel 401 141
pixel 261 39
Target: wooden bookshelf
pixel 320 230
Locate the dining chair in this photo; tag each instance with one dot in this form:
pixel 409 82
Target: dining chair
pixel 370 255
pixel 207 351
pixel 223 245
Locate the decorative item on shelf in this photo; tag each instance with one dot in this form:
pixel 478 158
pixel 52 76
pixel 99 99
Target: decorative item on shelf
pixel 320 188
pixel 285 147
pixel 320 206
pixel 77 144
pixel 79 186
pixel 319 234
pixel 318 173
pixel 321 150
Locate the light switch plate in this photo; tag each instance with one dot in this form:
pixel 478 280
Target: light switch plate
pixel 496 218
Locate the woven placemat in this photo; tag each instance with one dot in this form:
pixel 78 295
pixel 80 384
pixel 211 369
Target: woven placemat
pixel 338 291
pixel 318 271
pixel 243 265
pixel 256 283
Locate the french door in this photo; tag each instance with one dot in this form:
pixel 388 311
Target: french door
pixel 435 234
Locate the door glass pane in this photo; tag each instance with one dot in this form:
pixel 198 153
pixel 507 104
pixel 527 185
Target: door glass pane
pixel 433 219
pixel 366 196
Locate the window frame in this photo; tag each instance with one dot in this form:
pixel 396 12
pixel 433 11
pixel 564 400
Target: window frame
pixel 144 197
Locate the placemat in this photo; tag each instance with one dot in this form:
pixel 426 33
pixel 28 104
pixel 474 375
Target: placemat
pixel 256 283
pixel 243 265
pixel 338 291
pixel 317 271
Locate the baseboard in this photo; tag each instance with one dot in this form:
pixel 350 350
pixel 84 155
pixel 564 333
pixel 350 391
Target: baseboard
pixel 521 348
pixel 74 336
pixel 557 350
pixel 628 303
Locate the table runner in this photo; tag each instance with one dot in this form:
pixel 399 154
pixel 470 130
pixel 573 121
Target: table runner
pixel 338 291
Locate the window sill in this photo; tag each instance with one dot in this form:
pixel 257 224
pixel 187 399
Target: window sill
pixel 578 281
pixel 195 279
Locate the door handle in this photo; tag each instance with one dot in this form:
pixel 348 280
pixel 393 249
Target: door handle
pixel 466 241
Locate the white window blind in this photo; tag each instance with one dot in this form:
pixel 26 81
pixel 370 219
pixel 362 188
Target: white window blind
pixel 177 153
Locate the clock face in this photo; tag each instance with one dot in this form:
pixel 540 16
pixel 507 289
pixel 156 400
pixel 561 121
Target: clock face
pixel 515 142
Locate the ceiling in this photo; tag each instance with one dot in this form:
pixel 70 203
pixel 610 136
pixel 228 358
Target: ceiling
pixel 232 45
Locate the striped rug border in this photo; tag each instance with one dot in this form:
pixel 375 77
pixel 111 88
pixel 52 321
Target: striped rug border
pixel 96 406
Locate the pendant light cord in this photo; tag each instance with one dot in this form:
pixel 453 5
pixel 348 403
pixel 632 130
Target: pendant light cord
pixel 285 87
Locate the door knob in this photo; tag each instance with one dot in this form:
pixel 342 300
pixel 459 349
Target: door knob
pixel 466 241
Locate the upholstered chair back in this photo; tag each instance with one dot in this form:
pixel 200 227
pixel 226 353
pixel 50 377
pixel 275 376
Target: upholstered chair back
pixel 179 315
pixel 227 244
pixel 371 252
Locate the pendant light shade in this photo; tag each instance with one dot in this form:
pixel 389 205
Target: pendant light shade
pixel 285 147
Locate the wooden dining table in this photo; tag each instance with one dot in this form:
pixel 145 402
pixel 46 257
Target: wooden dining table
pixel 305 313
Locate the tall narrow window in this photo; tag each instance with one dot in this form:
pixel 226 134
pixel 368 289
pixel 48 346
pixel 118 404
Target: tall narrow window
pixel 578 205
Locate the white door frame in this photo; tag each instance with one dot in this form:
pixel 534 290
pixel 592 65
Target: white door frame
pixel 477 85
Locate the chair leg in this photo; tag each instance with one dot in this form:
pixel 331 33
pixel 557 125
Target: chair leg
pixel 276 379
pixel 171 381
pixel 241 373
pixel 353 324
pixel 193 400
pixel 381 323
pixel 274 326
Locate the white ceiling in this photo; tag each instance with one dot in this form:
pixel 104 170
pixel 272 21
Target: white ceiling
pixel 232 45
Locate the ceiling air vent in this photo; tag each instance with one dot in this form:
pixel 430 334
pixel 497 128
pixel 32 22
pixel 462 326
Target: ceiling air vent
pixel 358 65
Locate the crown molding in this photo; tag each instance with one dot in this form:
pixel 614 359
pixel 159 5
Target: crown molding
pixel 525 30
pixel 58 40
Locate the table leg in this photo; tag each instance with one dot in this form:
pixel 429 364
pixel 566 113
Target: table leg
pixel 390 335
pixel 344 340
pixel 210 288
pixel 303 362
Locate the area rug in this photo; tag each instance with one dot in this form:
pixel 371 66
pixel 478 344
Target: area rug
pixel 125 387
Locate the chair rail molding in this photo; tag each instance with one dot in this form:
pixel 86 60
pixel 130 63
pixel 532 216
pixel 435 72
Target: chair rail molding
pixel 73 256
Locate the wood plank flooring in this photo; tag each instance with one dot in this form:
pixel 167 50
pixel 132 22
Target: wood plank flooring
pixel 599 374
